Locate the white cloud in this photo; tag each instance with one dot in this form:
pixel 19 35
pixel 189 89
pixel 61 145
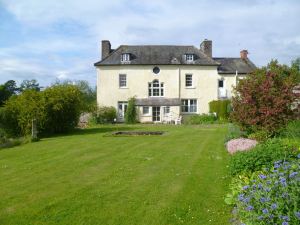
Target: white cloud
pixel 268 29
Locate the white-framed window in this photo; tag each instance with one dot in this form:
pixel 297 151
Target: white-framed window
pixel 189 105
pixel 166 110
pixel 155 89
pixel 189 57
pixel 122 80
pixel 125 57
pixel 189 80
pixel 146 110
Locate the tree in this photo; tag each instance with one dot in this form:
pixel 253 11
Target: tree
pixel 130 115
pixel 264 100
pixel 29 85
pixel 7 90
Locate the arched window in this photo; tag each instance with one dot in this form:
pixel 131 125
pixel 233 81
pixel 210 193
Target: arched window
pixel 156 89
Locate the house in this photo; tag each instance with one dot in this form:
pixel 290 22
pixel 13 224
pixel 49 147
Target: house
pixel 168 81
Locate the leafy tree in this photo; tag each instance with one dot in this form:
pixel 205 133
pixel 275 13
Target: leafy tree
pixel 263 100
pixel 130 115
pixel 7 90
pixel 29 85
pixel 64 104
pixel 20 110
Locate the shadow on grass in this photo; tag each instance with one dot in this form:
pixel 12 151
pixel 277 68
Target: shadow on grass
pixel 95 130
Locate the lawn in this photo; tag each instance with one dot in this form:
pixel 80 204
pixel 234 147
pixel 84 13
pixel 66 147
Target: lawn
pixel 90 177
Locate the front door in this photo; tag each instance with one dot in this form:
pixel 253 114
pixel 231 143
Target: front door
pixel 156 114
pixel 122 108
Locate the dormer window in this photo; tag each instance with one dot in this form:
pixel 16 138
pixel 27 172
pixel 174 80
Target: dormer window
pixel 125 57
pixel 189 57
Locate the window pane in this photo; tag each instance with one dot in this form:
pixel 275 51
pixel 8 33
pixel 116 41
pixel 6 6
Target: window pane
pixel 122 80
pixel 221 83
pixel 188 80
pixel 145 110
pixel 155 92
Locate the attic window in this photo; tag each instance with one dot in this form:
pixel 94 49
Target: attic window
pixel 189 57
pixel 125 57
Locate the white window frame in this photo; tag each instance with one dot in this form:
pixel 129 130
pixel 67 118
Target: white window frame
pixel 125 57
pixel 148 110
pixel 166 110
pixel 191 80
pixel 190 105
pixel 158 88
pixel 122 82
pixel 189 57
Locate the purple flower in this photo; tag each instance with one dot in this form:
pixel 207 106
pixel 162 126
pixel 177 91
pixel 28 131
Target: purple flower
pixel 265 211
pixel 274 206
pixel 293 174
pixel 260 217
pixel 246 187
pixel 261 176
pixel 276 166
pixel 262 200
pixel 298 156
pixel 241 197
pixel 249 208
pixel 285 223
pixel 297 214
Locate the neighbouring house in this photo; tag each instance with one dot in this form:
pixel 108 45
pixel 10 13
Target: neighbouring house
pixel 168 81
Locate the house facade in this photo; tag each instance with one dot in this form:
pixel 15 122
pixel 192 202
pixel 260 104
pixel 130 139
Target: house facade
pixel 167 81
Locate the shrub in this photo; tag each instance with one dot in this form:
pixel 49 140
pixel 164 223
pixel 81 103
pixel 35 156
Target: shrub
pixel 56 110
pixel 19 111
pixel 291 130
pixel 263 155
pixel 259 136
pixel 130 115
pixel 64 104
pixel 264 99
pixel 269 197
pixel 221 108
pixel 201 119
pixel 234 132
pixel 106 115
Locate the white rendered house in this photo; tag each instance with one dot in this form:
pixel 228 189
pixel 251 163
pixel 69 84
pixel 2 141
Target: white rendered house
pixel 167 81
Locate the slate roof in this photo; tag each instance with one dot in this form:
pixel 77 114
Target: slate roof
pixel 157 101
pixel 174 55
pixel 157 55
pixel 231 65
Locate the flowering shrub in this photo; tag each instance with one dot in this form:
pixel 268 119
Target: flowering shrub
pixel 263 100
pixel 263 155
pixel 271 196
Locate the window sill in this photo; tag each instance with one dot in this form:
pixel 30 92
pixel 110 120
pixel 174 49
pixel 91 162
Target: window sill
pixel 123 88
pixel 192 87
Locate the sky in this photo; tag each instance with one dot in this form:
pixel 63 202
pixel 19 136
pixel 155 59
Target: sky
pixel 60 39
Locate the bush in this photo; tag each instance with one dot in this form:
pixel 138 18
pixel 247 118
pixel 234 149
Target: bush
pixel 264 99
pixel 56 110
pixel 130 115
pixel 106 115
pixel 259 136
pixel 234 132
pixel 221 108
pixel 201 119
pixel 291 130
pixel 263 155
pixel 268 197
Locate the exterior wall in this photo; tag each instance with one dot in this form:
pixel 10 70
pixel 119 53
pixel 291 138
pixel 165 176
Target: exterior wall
pixel 205 85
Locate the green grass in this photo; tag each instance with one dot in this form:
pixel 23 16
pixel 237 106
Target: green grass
pixel 89 177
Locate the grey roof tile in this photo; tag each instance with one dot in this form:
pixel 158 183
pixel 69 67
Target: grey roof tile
pixel 157 55
pixel 231 65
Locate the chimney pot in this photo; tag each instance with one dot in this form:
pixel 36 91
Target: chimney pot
pixel 106 49
pixel 244 54
pixel 206 47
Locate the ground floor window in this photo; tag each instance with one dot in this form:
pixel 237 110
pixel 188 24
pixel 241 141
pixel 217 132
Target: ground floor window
pixel 189 105
pixel 166 110
pixel 122 108
pixel 146 110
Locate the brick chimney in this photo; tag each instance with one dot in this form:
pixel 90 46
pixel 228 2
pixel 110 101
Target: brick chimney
pixel 206 47
pixel 244 54
pixel 106 48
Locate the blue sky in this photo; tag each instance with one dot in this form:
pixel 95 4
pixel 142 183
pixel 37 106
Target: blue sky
pixel 60 39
